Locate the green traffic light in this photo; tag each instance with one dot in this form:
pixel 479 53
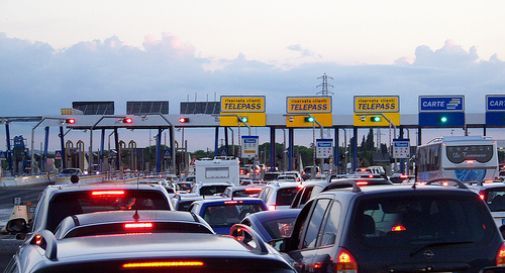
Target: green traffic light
pixel 376 119
pixel 309 119
pixel 444 119
pixel 243 119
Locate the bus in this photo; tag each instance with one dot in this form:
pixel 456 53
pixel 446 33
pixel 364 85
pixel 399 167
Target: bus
pixel 471 159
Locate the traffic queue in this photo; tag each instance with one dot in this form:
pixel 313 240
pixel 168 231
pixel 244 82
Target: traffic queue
pixel 359 222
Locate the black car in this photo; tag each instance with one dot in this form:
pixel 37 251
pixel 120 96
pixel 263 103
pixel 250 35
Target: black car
pixel 394 229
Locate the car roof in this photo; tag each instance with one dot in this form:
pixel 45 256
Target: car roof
pixel 222 200
pixel 103 186
pixel 489 186
pixel 125 216
pixel 379 189
pixel 283 185
pixel 144 244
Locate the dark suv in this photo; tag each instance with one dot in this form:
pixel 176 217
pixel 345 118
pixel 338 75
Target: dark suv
pixel 394 229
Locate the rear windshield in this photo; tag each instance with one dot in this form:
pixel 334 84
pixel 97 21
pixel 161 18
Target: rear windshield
pixel 270 176
pixel 184 186
pixel 280 228
pixel 184 205
pixel 227 215
pixel 247 193
pixel 285 196
pixel 414 220
pixel 496 199
pixel 159 227
pixel 212 190
pixel 481 153
pixel 67 204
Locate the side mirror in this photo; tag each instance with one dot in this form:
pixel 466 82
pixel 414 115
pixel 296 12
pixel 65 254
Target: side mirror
pixel 17 225
pixel 279 244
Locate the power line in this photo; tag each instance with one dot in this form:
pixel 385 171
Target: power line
pixel 324 85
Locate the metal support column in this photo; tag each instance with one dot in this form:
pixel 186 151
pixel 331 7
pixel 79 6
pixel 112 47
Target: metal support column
pixel 173 150
pixel 355 149
pixel 90 157
pixel 291 148
pixel 63 152
pixel 272 149
pixel 216 142
pixel 226 141
pixel 118 149
pixel 336 152
pixel 46 146
pixel 8 142
pixel 419 136
pixel 102 152
pixel 402 161
pixel 484 130
pixel 158 150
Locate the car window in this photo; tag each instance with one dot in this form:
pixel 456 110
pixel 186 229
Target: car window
pixel 329 232
pixel 314 223
pixel 285 196
pixel 400 221
pixel 496 199
pixel 66 204
pixel 265 194
pixel 306 195
pixel 279 228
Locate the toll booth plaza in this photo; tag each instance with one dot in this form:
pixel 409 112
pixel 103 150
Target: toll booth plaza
pixel 302 112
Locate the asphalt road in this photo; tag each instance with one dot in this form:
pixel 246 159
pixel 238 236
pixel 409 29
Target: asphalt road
pixel 8 244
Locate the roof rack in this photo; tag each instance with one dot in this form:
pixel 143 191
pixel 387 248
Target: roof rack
pixel 342 185
pixel 46 240
pixel 245 234
pixel 440 181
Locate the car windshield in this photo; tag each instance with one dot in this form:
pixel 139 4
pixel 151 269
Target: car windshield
pixel 229 214
pixel 496 199
pixel 285 196
pixel 279 228
pixel 67 204
pixel 418 220
pixel 212 190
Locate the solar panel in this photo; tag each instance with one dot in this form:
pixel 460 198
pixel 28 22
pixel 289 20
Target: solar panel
pixel 208 108
pixel 146 107
pixel 94 107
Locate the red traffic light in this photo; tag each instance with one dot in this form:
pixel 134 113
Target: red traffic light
pixel 127 120
pixel 70 121
pixel 183 120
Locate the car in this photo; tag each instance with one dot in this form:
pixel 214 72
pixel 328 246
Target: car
pixel 242 191
pixel 272 225
pixel 493 194
pixel 156 181
pixel 270 176
pixel 398 178
pixel 70 171
pixel 182 202
pixel 149 252
pixel 58 202
pixel 210 189
pixel 362 179
pixel 287 178
pixel 297 175
pixel 123 222
pixel 221 214
pixel 183 187
pixel 279 195
pixel 418 228
pixel 308 190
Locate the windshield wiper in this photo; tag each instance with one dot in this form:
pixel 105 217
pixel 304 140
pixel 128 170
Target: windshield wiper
pixel 439 244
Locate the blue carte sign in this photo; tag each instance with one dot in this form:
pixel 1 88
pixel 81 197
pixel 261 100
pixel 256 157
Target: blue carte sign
pixel 495 103
pixel 441 103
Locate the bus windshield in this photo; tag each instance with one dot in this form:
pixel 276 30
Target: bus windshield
pixel 480 153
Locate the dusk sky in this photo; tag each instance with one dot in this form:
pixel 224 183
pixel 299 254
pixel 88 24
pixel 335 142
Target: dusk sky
pixel 54 52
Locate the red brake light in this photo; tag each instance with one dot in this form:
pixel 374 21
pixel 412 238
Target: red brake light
pixel 362 183
pixel 397 228
pixel 403 176
pixel 127 120
pixel 346 262
pixel 500 256
pixel 107 193
pixel 482 195
pixel 470 161
pixel 70 121
pixel 233 202
pixel 248 190
pixel 161 264
pixel 38 239
pixel 141 225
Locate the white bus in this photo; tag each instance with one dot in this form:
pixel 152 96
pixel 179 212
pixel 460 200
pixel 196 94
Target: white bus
pixel 466 158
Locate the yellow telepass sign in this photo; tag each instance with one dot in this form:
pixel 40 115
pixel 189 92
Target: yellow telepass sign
pixel 376 104
pixel 304 105
pixel 242 104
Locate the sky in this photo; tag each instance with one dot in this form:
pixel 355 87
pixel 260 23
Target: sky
pixel 54 52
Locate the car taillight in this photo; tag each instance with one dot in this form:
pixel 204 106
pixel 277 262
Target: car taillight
pixel 346 262
pixel 233 202
pixel 253 190
pixel 38 240
pixel 362 183
pixel 107 193
pixel 500 256
pixel 161 264
pixel 482 195
pixel 272 207
pixel 403 176
pixel 397 228
pixel 138 226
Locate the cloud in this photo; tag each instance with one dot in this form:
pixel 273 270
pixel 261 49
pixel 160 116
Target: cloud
pixel 36 79
pixel 304 52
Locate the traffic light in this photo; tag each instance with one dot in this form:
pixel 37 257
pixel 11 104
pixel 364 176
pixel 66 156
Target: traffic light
pixel 70 121
pixel 443 119
pixel 243 119
pixel 309 119
pixel 183 120
pixel 127 120
pixel 375 119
